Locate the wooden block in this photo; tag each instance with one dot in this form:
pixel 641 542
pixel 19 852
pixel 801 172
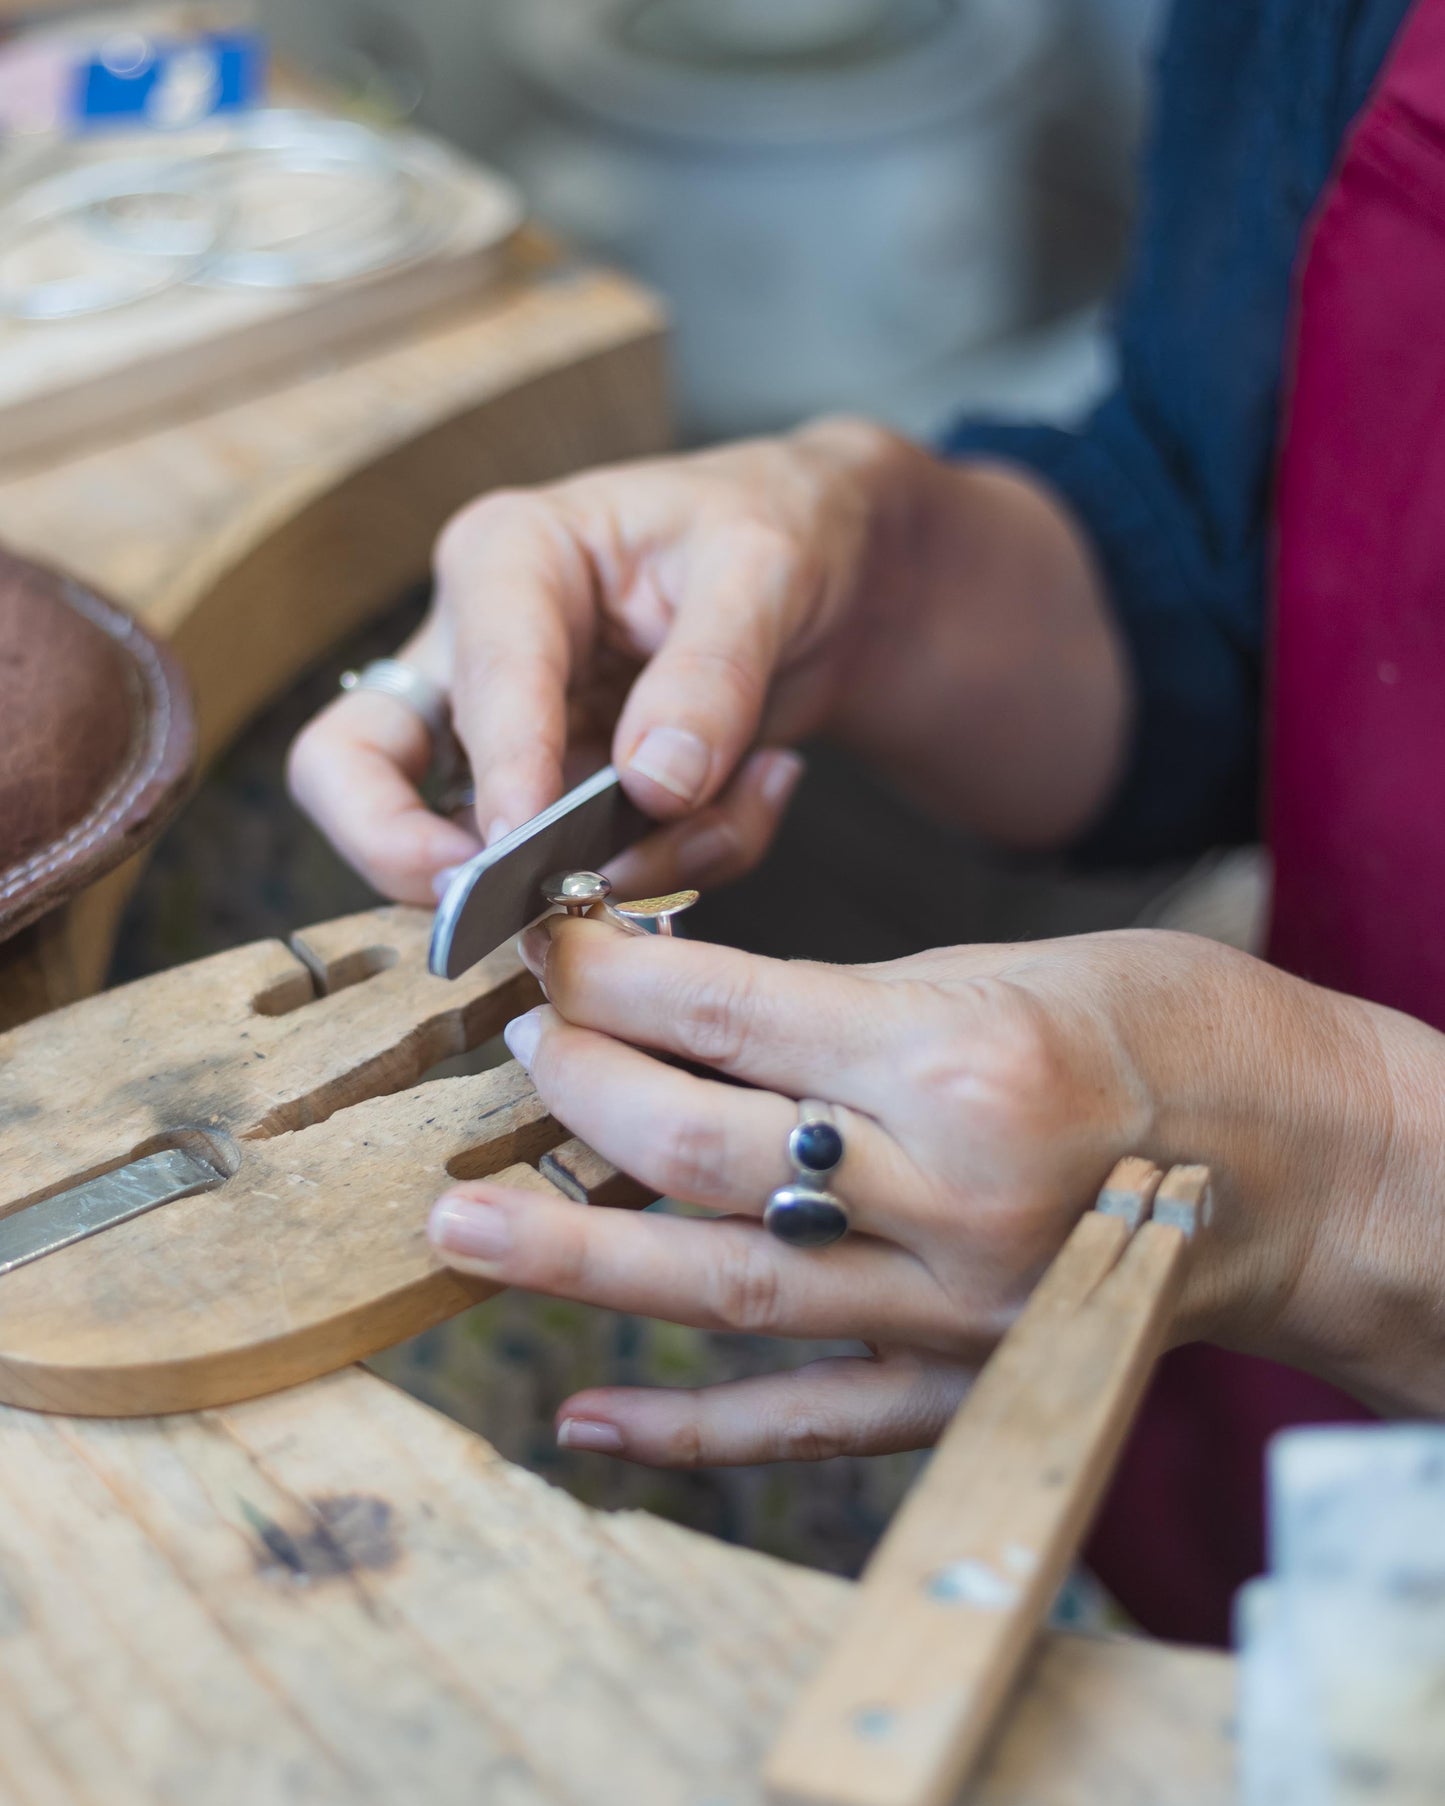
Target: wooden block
pixel 951 1602
pixel 334 1596
pixel 69 384
pixel 297 1069
pixel 581 1173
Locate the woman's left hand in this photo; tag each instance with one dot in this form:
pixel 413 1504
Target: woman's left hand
pixel 983 1094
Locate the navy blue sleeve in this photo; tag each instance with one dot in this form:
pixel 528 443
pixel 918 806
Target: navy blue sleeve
pixel 1171 477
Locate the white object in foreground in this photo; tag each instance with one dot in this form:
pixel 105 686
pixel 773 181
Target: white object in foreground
pixel 1342 1646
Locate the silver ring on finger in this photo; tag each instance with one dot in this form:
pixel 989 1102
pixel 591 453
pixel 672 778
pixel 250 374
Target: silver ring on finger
pixel 804 1213
pixel 450 791
pixel 405 684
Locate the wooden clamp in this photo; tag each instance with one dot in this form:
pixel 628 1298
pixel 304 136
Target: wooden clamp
pixel 949 1606
pixel 297 1072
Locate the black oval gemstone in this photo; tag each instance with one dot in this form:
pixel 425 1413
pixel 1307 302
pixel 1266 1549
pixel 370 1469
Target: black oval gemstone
pixel 817 1146
pixel 803 1218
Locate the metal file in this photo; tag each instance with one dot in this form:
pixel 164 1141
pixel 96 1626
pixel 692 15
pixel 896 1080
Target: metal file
pixel 497 894
pixel 95 1204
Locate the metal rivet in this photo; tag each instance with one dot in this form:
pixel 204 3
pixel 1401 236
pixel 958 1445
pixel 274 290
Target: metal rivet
pixel 576 892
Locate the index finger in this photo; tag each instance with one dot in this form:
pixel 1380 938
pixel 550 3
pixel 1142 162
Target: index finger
pixel 515 588
pixel 802 1029
pixel 356 769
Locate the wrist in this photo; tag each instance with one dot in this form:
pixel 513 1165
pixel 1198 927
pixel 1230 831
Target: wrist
pixel 1323 1118
pixel 983 669
pixel 1368 1311
pixel 878 478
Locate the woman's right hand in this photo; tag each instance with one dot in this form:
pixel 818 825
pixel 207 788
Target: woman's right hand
pixel 672 614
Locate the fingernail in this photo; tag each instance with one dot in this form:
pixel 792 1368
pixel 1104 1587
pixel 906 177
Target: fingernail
pixel 533 948
pixel 474 1230
pixel 521 1035
pixel 702 849
pixel 441 883
pixel 499 830
pixel 584 1433
pixel 781 778
pixel 674 758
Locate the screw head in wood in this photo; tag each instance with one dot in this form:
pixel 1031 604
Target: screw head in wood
pixel 576 892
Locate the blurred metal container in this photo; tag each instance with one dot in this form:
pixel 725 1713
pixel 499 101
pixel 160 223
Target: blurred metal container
pixel 837 196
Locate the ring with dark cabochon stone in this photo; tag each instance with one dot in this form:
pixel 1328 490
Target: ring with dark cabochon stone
pixel 804 1213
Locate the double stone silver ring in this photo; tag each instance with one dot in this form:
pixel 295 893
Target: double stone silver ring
pixel 804 1213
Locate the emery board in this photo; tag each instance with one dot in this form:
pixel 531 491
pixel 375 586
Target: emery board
pixel 283 1090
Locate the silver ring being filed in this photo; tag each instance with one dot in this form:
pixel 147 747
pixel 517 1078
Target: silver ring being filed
pixel 390 677
pixel 804 1213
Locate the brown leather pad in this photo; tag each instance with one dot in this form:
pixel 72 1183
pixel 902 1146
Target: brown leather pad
pixel 97 739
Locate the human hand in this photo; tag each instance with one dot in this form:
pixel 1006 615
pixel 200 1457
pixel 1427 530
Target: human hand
pixel 669 614
pixel 984 1094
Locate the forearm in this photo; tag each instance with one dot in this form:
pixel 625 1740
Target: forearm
pixel 985 675
pixel 1325 1120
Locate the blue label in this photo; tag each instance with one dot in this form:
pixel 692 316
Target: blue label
pixel 168 85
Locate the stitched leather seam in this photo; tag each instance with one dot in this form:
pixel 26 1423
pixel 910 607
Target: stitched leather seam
pixel 142 766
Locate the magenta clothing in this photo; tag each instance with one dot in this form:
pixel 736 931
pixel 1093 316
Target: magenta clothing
pixel 1356 786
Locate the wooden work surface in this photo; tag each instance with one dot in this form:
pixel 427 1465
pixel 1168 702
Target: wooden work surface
pixel 257 535
pixel 335 1595
pixel 331 1594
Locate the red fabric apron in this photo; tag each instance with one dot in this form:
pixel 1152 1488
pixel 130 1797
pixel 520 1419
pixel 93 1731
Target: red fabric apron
pixel 1357 772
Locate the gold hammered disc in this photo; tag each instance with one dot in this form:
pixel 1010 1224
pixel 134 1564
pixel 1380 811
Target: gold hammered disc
pixel 648 908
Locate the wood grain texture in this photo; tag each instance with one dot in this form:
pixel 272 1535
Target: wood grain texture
pixel 256 536
pixel 297 1069
pixel 334 1597
pixel 331 1595
pixel 952 1599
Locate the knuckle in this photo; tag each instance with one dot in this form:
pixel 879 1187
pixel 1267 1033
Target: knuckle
pixel 724 672
pixel 1008 1064
pixel 478 520
pixel 764 545
pixel 692 1160
pixel 560 1262
pixel 744 1287
pixel 685 1445
pixel 712 1020
pixel 1023 1061
pixel 805 1433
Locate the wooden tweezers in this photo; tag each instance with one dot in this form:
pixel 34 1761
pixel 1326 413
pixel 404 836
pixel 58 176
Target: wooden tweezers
pixel 948 1608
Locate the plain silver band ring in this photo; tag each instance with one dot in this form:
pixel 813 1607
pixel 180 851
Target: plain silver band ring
pixel 407 685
